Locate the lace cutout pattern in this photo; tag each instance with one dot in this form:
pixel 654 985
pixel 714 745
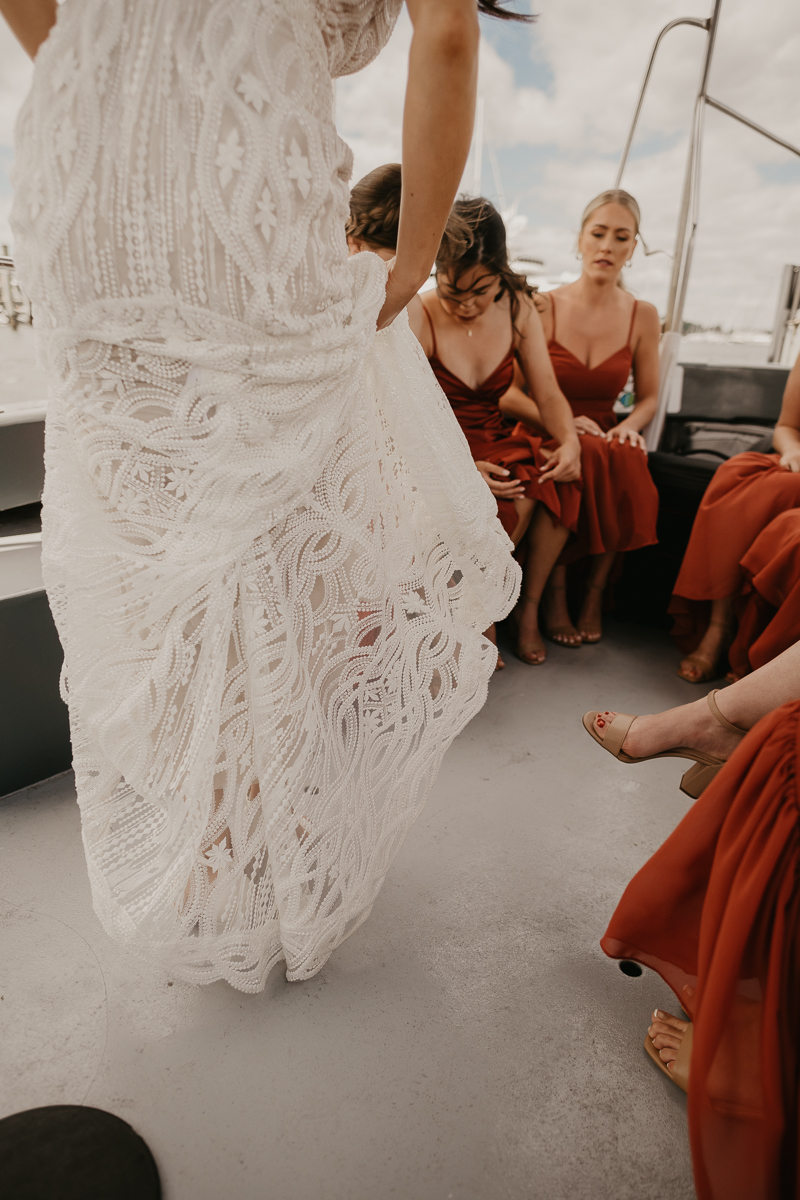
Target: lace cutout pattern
pixel 266 547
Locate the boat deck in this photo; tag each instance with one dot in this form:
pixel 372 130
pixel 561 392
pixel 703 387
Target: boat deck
pixel 470 1042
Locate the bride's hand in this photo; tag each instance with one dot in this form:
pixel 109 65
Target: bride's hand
pixel 399 292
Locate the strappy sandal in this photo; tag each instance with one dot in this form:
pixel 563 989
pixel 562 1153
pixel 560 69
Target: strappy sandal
pixel 679 1074
pixel 696 778
pixel 708 670
pixel 558 633
pixel 592 636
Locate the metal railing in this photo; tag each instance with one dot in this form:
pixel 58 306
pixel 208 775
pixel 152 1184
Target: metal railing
pixel 688 216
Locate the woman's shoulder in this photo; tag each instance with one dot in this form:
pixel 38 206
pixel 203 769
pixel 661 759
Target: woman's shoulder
pixel 646 316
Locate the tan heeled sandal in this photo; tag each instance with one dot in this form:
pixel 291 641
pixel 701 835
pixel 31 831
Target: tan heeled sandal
pixel 707 669
pixel 679 1073
pixel 696 778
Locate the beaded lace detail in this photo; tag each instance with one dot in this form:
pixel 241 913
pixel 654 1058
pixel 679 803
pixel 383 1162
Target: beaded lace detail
pixel 267 550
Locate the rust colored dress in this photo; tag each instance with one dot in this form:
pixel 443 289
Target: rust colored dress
pixel 744 497
pixel 769 621
pixel 717 909
pixel 619 506
pixel 492 440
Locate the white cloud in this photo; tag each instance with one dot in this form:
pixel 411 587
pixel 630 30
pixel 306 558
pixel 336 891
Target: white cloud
pixel 565 138
pixel 558 144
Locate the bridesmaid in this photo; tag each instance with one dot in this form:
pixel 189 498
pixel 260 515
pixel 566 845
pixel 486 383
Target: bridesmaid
pixel 478 295
pixel 743 499
pixel 474 327
pixel 716 912
pixel 770 620
pixel 596 333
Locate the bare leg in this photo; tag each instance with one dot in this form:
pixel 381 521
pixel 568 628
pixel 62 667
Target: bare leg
pixel 545 543
pixel 743 703
pixel 590 621
pixel 556 614
pixel 524 509
pixel 702 664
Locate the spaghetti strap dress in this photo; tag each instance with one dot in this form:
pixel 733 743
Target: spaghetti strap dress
pixel 769 613
pixel 492 439
pixel 716 912
pixel 619 505
pixel 743 500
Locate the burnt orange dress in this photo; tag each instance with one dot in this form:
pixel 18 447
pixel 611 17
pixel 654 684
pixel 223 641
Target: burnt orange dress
pixel 619 506
pixel 492 440
pixel 769 620
pixel 717 910
pixel 744 497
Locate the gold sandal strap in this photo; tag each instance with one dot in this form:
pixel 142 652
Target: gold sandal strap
pixel 724 722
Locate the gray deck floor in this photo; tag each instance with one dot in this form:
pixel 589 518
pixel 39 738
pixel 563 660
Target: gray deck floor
pixel 470 1042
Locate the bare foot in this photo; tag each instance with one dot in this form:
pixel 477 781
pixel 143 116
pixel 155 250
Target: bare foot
pixel 692 725
pixel 703 663
pixel 556 616
pixel 590 622
pixel 667 1033
pixel 530 647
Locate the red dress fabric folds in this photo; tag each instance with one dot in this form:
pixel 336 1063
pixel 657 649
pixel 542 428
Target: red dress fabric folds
pixel 770 617
pixel 746 494
pixel 716 912
pixel 619 506
pixel 492 440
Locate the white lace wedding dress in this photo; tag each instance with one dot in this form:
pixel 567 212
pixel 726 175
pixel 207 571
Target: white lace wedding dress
pixel 268 553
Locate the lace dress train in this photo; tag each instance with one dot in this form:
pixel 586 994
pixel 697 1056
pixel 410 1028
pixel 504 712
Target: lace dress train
pixel 267 550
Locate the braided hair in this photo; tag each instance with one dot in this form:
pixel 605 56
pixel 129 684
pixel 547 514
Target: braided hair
pixel 375 214
pixel 375 207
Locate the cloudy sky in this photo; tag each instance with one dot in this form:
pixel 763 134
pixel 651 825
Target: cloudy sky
pixel 558 97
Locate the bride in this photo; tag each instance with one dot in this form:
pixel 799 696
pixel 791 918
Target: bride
pixel 266 550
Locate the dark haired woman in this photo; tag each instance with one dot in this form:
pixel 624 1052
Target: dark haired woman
pixel 478 322
pixel 596 333
pixel 271 614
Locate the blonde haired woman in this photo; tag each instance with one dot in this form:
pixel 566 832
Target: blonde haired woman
pixel 597 333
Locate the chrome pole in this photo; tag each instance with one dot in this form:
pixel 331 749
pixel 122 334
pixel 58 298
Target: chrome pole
pixel 691 184
pixel 629 142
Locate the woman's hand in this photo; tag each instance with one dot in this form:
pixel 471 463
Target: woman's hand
pixel 626 433
pixel 563 464
pixel 512 489
pixel 587 425
pixel 399 293
pixel 790 461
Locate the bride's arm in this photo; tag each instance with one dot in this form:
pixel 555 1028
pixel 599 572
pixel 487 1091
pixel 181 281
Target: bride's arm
pixel 30 21
pixel 437 130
